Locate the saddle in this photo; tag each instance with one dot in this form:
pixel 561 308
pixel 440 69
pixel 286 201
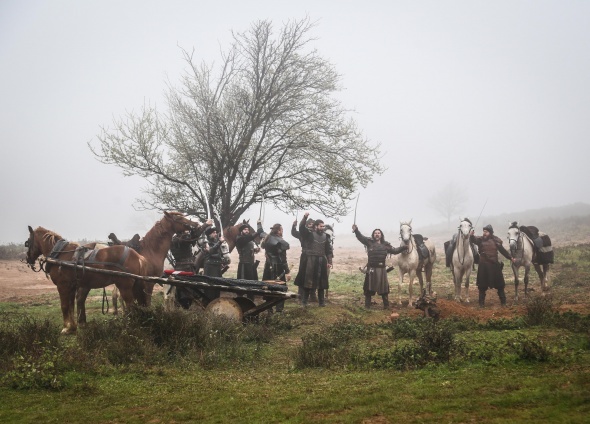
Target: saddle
pixel 423 252
pixel 542 249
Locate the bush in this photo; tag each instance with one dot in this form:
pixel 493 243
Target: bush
pixel 540 310
pixel 528 348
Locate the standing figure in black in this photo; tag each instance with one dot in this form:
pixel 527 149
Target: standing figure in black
pixel 276 266
pixel 319 259
pixel 489 271
pixel 213 261
pixel 247 249
pixel 376 272
pixel 310 223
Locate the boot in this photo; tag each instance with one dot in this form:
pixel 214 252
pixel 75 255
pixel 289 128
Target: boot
pixel 385 298
pixel 367 301
pixel 502 296
pixel 482 298
pixel 313 296
pixel 305 301
pixel 321 297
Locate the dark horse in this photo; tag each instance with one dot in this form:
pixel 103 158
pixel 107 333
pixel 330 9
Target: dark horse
pixel 115 258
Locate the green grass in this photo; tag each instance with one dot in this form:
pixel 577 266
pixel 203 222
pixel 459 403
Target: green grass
pixel 339 364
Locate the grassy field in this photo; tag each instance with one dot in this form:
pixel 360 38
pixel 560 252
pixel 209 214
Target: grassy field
pixel 339 364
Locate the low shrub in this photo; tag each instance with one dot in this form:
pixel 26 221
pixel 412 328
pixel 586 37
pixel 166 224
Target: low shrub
pixel 540 310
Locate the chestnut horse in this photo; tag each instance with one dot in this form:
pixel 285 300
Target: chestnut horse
pixel 117 258
pixel 154 247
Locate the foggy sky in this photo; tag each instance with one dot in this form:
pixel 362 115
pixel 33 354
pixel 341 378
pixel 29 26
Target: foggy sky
pixel 493 96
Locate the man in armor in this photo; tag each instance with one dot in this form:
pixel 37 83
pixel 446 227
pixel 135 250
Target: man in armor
pixel 489 271
pixel 247 249
pixel 319 258
pixel 213 261
pixel 276 266
pixel 375 271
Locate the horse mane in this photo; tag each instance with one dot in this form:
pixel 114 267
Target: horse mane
pixel 49 238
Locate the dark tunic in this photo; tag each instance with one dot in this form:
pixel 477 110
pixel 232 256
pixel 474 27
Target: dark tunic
pixel 489 271
pixel 182 251
pixel 314 275
pixel 376 274
pixel 303 258
pixel 276 266
pixel 213 258
pixel 247 265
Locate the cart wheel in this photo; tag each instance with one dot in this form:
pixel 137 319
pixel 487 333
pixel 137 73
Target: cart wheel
pixel 227 307
pixel 245 303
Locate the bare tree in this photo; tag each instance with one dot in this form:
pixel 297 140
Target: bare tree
pixel 265 126
pixel 449 201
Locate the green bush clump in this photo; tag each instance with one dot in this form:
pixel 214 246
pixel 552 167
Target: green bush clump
pixel 528 348
pixel 540 310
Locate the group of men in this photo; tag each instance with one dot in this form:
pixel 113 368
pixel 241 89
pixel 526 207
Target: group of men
pixel 314 264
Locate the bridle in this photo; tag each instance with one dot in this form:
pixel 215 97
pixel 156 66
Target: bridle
pixel 410 241
pixel 31 264
pixel 462 237
pixel 517 240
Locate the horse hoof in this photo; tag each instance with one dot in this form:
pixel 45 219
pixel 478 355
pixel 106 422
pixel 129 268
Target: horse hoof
pixel 68 331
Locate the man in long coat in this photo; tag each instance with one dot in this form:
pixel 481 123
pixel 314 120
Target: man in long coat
pixel 489 271
pixel 247 265
pixel 310 223
pixel 375 271
pixel 276 266
pixel 319 259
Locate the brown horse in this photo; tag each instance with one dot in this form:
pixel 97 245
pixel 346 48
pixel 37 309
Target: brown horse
pixel 154 247
pixel 117 258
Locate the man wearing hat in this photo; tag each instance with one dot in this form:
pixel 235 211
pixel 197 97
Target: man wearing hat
pixel 489 271
pixel 276 266
pixel 310 224
pixel 247 248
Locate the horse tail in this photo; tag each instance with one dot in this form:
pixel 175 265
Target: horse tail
pixel 139 285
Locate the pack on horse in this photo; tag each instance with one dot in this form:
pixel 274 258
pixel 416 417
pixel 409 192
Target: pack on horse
pixel 420 255
pixel 529 247
pixel 117 258
pixel 460 257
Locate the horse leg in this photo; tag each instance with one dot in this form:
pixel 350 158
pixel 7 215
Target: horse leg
pixel 81 296
pixel 412 274
pixel 399 287
pixel 429 277
pixel 541 275
pixel 515 272
pixel 115 298
pixel 527 269
pixel 67 297
pixel 467 275
pixel 128 296
pixel 457 278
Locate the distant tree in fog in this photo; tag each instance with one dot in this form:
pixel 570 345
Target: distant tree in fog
pixel 449 201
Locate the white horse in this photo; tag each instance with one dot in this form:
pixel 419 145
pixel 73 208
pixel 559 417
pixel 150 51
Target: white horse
pixel 521 248
pixel 462 259
pixel 409 262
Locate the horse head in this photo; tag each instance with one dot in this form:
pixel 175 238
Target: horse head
pixel 405 231
pixel 33 249
pixel 465 227
pixel 178 222
pixel 513 236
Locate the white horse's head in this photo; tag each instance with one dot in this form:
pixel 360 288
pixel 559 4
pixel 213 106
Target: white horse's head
pixel 226 258
pixel 513 235
pixel 465 227
pixel 330 231
pixel 405 231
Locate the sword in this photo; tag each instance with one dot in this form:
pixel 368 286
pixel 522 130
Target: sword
pixel 206 200
pixel 355 206
pixel 260 216
pixel 484 205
